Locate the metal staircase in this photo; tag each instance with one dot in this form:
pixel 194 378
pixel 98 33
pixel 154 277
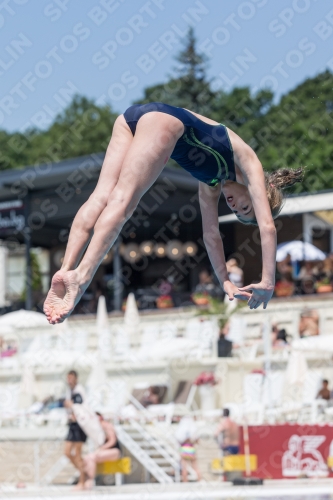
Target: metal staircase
pixel 156 456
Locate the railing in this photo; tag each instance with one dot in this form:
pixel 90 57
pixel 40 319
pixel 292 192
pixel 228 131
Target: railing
pixel 165 451
pixel 149 464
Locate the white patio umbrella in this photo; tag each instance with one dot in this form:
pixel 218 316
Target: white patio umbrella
pixel 102 321
pixel 103 329
pixel 298 250
pixel 24 319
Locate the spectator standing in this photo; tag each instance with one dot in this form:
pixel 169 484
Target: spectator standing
pixel 324 392
pixel 224 346
pixel 187 436
pixel 75 437
pixel 227 434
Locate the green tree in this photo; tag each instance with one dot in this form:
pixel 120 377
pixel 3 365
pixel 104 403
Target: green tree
pixel 299 131
pixel 239 109
pixel 82 128
pixel 189 87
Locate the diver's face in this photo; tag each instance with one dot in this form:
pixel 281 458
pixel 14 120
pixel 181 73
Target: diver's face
pixel 238 200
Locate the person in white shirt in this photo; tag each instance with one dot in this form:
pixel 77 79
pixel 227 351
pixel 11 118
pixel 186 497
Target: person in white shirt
pixel 75 437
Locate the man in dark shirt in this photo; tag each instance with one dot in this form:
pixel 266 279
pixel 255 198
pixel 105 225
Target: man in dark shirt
pixel 75 437
pixel 224 346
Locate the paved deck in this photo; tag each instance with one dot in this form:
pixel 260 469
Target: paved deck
pixel 291 489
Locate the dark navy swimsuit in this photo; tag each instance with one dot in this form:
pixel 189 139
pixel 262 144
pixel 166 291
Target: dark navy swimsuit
pixel 203 150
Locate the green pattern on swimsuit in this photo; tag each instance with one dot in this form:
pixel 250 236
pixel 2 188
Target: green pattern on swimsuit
pixel 218 157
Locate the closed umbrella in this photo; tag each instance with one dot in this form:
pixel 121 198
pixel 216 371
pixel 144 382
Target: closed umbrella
pixel 27 390
pixel 97 386
pixel 131 317
pixel 103 329
pixel 298 250
pixel 102 321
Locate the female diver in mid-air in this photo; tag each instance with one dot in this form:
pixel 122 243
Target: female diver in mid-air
pixel 142 141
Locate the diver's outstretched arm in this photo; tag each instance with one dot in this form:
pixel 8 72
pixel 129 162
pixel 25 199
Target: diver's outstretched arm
pixel 209 198
pixel 254 178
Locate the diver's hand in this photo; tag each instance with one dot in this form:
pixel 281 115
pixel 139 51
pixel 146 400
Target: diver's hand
pixel 261 294
pixel 233 292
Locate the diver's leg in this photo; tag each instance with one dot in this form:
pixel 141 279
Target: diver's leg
pixel 154 140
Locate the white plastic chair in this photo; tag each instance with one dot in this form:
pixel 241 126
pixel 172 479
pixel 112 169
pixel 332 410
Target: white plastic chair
pixel 168 331
pixel 149 338
pixel 122 347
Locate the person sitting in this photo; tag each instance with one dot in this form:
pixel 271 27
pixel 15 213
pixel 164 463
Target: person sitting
pixel 324 270
pixel 235 273
pixel 151 397
pixel 309 323
pixel 307 278
pixel 285 287
pixel 324 392
pixel 279 337
pixel 285 266
pixel 206 284
pixel 109 451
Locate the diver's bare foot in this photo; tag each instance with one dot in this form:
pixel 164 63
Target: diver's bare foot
pixel 89 484
pixel 64 294
pixel 78 487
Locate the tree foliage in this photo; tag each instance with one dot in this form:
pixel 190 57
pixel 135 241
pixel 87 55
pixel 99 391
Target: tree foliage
pixel 298 130
pixel 82 128
pixel 189 86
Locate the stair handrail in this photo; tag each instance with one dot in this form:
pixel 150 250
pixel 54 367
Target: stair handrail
pixel 162 449
pixel 142 456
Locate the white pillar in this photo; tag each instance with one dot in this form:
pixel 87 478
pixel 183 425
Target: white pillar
pixel 3 268
pixel 307 229
pixel 267 338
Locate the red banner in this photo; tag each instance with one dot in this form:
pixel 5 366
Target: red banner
pixel 291 451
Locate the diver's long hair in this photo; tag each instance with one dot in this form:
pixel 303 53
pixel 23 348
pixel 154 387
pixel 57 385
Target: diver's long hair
pixel 275 183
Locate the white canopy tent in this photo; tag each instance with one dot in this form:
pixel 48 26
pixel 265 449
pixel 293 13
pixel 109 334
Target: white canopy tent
pixel 24 319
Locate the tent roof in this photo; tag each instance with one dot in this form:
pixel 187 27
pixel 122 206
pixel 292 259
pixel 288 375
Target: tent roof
pixel 297 204
pixel 173 190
